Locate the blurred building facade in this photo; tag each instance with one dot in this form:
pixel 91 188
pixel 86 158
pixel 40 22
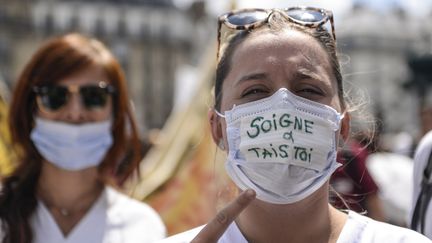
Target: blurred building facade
pixel 151 38
pixel 374 50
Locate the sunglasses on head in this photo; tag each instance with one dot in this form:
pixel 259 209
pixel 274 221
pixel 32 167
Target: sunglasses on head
pixel 247 19
pixel 54 97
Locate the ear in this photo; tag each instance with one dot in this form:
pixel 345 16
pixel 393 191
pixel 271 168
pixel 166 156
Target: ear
pixel 215 125
pixel 345 126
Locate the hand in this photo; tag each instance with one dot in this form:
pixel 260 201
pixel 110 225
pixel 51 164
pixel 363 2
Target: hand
pixel 217 226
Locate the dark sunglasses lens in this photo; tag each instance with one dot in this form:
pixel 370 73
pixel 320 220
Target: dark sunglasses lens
pixel 308 16
pixel 245 18
pixel 53 97
pixel 94 97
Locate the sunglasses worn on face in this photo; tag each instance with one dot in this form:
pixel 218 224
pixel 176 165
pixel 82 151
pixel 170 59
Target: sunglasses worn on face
pixel 54 97
pixel 247 19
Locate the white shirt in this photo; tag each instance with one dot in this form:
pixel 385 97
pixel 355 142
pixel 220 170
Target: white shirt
pixel 420 160
pixel 357 229
pixel 114 218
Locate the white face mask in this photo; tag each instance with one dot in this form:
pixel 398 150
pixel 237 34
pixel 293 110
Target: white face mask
pixel 72 147
pixel 283 146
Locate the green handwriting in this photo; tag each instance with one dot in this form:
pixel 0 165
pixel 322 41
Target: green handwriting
pixel 282 151
pixel 260 125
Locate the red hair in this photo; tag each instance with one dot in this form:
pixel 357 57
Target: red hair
pixel 55 60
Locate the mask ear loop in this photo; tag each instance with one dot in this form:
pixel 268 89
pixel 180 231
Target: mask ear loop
pixel 225 188
pixel 221 145
pixel 341 142
pixel 341 116
pixel 218 113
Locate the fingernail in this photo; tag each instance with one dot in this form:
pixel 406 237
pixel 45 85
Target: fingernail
pixel 250 193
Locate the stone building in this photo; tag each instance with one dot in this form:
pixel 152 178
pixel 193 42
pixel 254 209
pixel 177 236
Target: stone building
pixel 375 49
pixel 151 38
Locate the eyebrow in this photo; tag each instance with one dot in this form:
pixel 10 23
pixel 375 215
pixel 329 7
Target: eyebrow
pixel 301 73
pixel 252 76
pixel 307 73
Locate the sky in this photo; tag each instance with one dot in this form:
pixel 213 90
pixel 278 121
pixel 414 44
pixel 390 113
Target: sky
pixel 414 8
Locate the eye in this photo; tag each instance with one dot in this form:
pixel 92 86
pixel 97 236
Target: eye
pixel 252 92
pixel 94 96
pixel 255 93
pixel 311 93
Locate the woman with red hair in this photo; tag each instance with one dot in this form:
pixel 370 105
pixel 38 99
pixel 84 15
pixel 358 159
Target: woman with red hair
pixel 72 124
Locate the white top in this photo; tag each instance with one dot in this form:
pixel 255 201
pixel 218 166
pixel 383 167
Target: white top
pixel 420 159
pixel 114 218
pixel 393 173
pixel 357 229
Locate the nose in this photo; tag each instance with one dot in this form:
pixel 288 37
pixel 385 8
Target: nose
pixel 74 111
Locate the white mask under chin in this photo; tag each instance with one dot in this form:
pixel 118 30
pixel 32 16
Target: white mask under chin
pixel 283 146
pixel 72 147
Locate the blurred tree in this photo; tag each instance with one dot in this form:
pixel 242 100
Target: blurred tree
pixel 6 155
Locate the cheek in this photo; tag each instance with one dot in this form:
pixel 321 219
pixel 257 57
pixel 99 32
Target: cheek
pixel 228 101
pixel 227 95
pixel 104 113
pixel 336 104
pixel 46 115
pixel 42 113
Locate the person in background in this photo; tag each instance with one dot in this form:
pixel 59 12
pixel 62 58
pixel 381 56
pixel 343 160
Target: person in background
pixel 279 114
pixel 426 113
pixel 421 210
pixel 355 188
pixel 71 122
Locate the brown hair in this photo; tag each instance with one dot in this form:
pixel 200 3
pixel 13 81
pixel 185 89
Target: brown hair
pixel 277 25
pixel 55 60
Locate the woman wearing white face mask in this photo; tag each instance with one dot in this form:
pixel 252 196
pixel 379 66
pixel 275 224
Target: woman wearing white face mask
pixel 279 114
pixel 71 121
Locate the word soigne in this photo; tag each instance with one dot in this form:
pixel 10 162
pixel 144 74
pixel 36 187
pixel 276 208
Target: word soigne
pixel 259 124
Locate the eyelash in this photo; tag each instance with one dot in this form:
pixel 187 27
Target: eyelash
pixel 256 93
pixel 253 91
pixel 310 91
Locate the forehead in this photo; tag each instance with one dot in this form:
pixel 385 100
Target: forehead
pixel 90 75
pixel 289 50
